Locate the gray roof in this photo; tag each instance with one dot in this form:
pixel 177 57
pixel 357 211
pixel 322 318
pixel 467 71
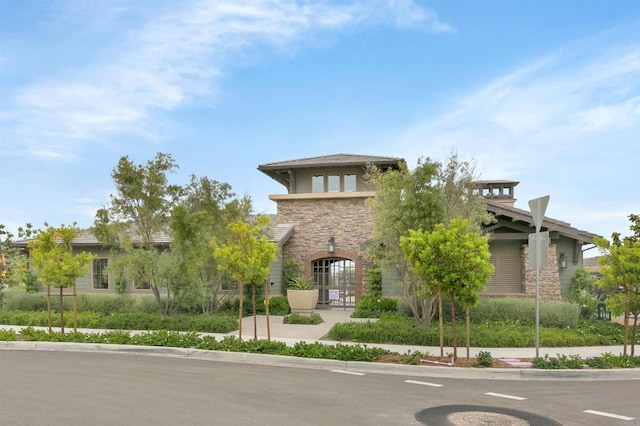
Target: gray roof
pixel 334 160
pixel 279 171
pixel 549 224
pixel 281 234
pixel 86 239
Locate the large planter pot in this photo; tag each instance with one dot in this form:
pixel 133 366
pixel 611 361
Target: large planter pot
pixel 302 301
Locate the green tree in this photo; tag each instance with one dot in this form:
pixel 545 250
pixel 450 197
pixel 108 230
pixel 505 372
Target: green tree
pixel 137 215
pixel 584 288
pixel 620 269
pixel 246 255
pixel 431 193
pixel 52 257
pixel 452 259
pixel 14 272
pixel 206 210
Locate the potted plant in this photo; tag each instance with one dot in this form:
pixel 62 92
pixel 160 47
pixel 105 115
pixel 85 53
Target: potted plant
pixel 302 294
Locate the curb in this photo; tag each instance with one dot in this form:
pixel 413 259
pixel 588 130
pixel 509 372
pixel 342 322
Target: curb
pixel 327 364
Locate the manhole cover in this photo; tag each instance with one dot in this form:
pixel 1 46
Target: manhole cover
pixel 479 418
pixel 465 415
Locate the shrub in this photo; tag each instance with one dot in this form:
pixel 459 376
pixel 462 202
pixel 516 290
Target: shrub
pixel 484 359
pixel 279 305
pixel 295 318
pixel 7 335
pixel 546 363
pixel 22 301
pixel 106 304
pixel 301 282
pixel 523 311
pixel 372 305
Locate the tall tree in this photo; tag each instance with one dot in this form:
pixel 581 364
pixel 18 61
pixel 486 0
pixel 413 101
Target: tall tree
pixel 137 215
pixel 418 199
pixel 206 210
pixel 246 255
pixel 620 269
pixel 56 264
pixel 453 259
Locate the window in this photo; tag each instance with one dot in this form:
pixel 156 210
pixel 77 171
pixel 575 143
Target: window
pixel 334 183
pixel 349 183
pixel 100 274
pixel 317 183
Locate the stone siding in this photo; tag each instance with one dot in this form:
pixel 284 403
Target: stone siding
pixel 348 220
pixel 549 276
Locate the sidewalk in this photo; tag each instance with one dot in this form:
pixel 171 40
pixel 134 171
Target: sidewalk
pixel 290 333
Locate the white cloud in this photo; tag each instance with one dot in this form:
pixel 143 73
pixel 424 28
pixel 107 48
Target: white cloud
pixel 566 124
pixel 161 59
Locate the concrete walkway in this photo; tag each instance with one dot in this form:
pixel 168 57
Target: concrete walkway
pixel 292 333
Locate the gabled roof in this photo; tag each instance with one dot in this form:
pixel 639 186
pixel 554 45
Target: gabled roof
pixel 518 215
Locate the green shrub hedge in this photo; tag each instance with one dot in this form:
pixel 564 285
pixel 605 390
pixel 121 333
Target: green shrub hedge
pixel 523 311
pixel 228 344
pixel 312 319
pixel 400 330
pixel 372 305
pixel 215 323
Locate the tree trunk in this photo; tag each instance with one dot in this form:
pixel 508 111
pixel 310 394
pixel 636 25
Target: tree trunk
pixel 454 328
pixel 627 313
pixel 61 310
pixel 468 318
pixel 266 308
pixel 49 306
pixel 240 310
pixel 634 335
pixel 441 321
pixel 75 309
pixel 255 320
pixel 156 296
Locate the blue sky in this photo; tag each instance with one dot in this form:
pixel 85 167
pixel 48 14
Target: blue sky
pixel 546 93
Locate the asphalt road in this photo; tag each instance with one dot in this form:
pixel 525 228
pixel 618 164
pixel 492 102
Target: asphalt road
pixel 69 388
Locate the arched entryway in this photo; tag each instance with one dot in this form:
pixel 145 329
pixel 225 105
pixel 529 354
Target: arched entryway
pixel 336 280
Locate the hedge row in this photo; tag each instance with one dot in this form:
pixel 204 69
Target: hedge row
pixel 216 323
pixel 497 334
pixel 228 344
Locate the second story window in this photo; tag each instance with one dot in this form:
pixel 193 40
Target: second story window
pixel 349 183
pixel 317 183
pixel 334 183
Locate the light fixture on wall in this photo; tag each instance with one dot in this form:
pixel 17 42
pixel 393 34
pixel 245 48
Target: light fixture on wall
pixel 331 245
pixel 563 261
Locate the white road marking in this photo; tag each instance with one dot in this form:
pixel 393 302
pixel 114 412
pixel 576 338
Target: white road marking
pixel 501 395
pixel 353 373
pixel 415 382
pixel 613 416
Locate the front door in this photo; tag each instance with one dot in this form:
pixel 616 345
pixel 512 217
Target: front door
pixel 336 280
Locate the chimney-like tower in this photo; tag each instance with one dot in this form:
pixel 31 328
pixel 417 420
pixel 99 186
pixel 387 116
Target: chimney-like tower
pixel 501 191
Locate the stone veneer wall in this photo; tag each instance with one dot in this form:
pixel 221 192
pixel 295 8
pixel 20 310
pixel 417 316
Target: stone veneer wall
pixel 348 220
pixel 549 276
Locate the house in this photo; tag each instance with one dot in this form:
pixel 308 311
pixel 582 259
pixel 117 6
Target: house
pixel 508 244
pixel 326 226
pixel 324 222
pixel 99 280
